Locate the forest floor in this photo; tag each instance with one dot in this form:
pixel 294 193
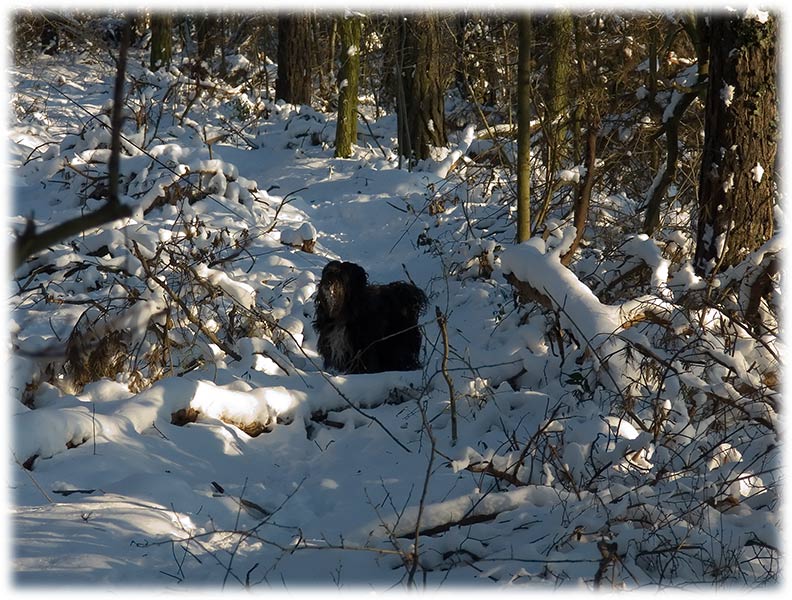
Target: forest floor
pixel 549 482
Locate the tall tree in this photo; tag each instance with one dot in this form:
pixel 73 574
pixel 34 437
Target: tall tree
pixel 207 32
pixel 348 75
pixel 161 44
pixel 560 27
pixel 559 72
pixel 459 24
pixel 524 128
pixel 737 181
pixel 421 86
pixel 294 59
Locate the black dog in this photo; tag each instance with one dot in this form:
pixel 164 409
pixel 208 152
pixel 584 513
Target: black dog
pixel 367 328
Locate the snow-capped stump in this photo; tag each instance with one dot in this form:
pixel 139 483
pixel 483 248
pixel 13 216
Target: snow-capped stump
pixel 303 237
pixel 245 411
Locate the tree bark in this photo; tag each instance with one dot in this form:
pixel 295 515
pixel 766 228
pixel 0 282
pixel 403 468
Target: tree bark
pixel 161 47
pixel 346 129
pixel 556 102
pixel 421 110
pixel 737 188
pixel 524 129
pixel 207 30
pixel 559 72
pixel 294 59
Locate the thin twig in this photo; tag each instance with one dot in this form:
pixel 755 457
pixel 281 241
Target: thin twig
pixel 374 137
pixel 240 540
pixel 33 479
pixel 185 309
pixel 441 322
pixel 413 567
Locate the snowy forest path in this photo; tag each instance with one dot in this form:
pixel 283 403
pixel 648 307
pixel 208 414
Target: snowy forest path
pixel 360 212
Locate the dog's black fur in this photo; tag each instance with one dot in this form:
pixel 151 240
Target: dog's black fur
pixel 367 328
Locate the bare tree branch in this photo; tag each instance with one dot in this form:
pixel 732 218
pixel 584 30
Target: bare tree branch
pixel 30 241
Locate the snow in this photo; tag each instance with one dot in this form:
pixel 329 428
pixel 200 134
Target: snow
pixel 468 135
pixel 727 94
pixel 570 175
pixel 349 13
pixel 728 183
pixel 533 263
pixel 753 12
pixel 208 462
pixel 645 249
pixel 299 235
pixel 757 173
pixel 242 293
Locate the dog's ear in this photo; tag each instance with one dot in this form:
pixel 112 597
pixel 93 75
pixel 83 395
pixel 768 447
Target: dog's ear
pixel 334 267
pixel 356 276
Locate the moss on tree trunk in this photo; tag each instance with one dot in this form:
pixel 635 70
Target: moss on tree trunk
pixel 346 130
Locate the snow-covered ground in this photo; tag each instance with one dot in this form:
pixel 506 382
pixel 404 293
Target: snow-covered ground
pixel 142 474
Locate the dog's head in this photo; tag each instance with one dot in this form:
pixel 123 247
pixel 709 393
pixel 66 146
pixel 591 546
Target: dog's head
pixel 342 283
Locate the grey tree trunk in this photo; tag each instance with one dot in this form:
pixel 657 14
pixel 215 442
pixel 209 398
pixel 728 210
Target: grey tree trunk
pixel 556 102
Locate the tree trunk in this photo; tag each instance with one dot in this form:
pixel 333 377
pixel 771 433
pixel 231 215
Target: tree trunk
pixel 460 71
pixel 161 49
pixel 421 111
pixel 737 187
pixel 524 129
pixel 207 29
pixel 330 58
pixel 559 72
pixel 346 130
pixel 556 102
pixel 294 59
